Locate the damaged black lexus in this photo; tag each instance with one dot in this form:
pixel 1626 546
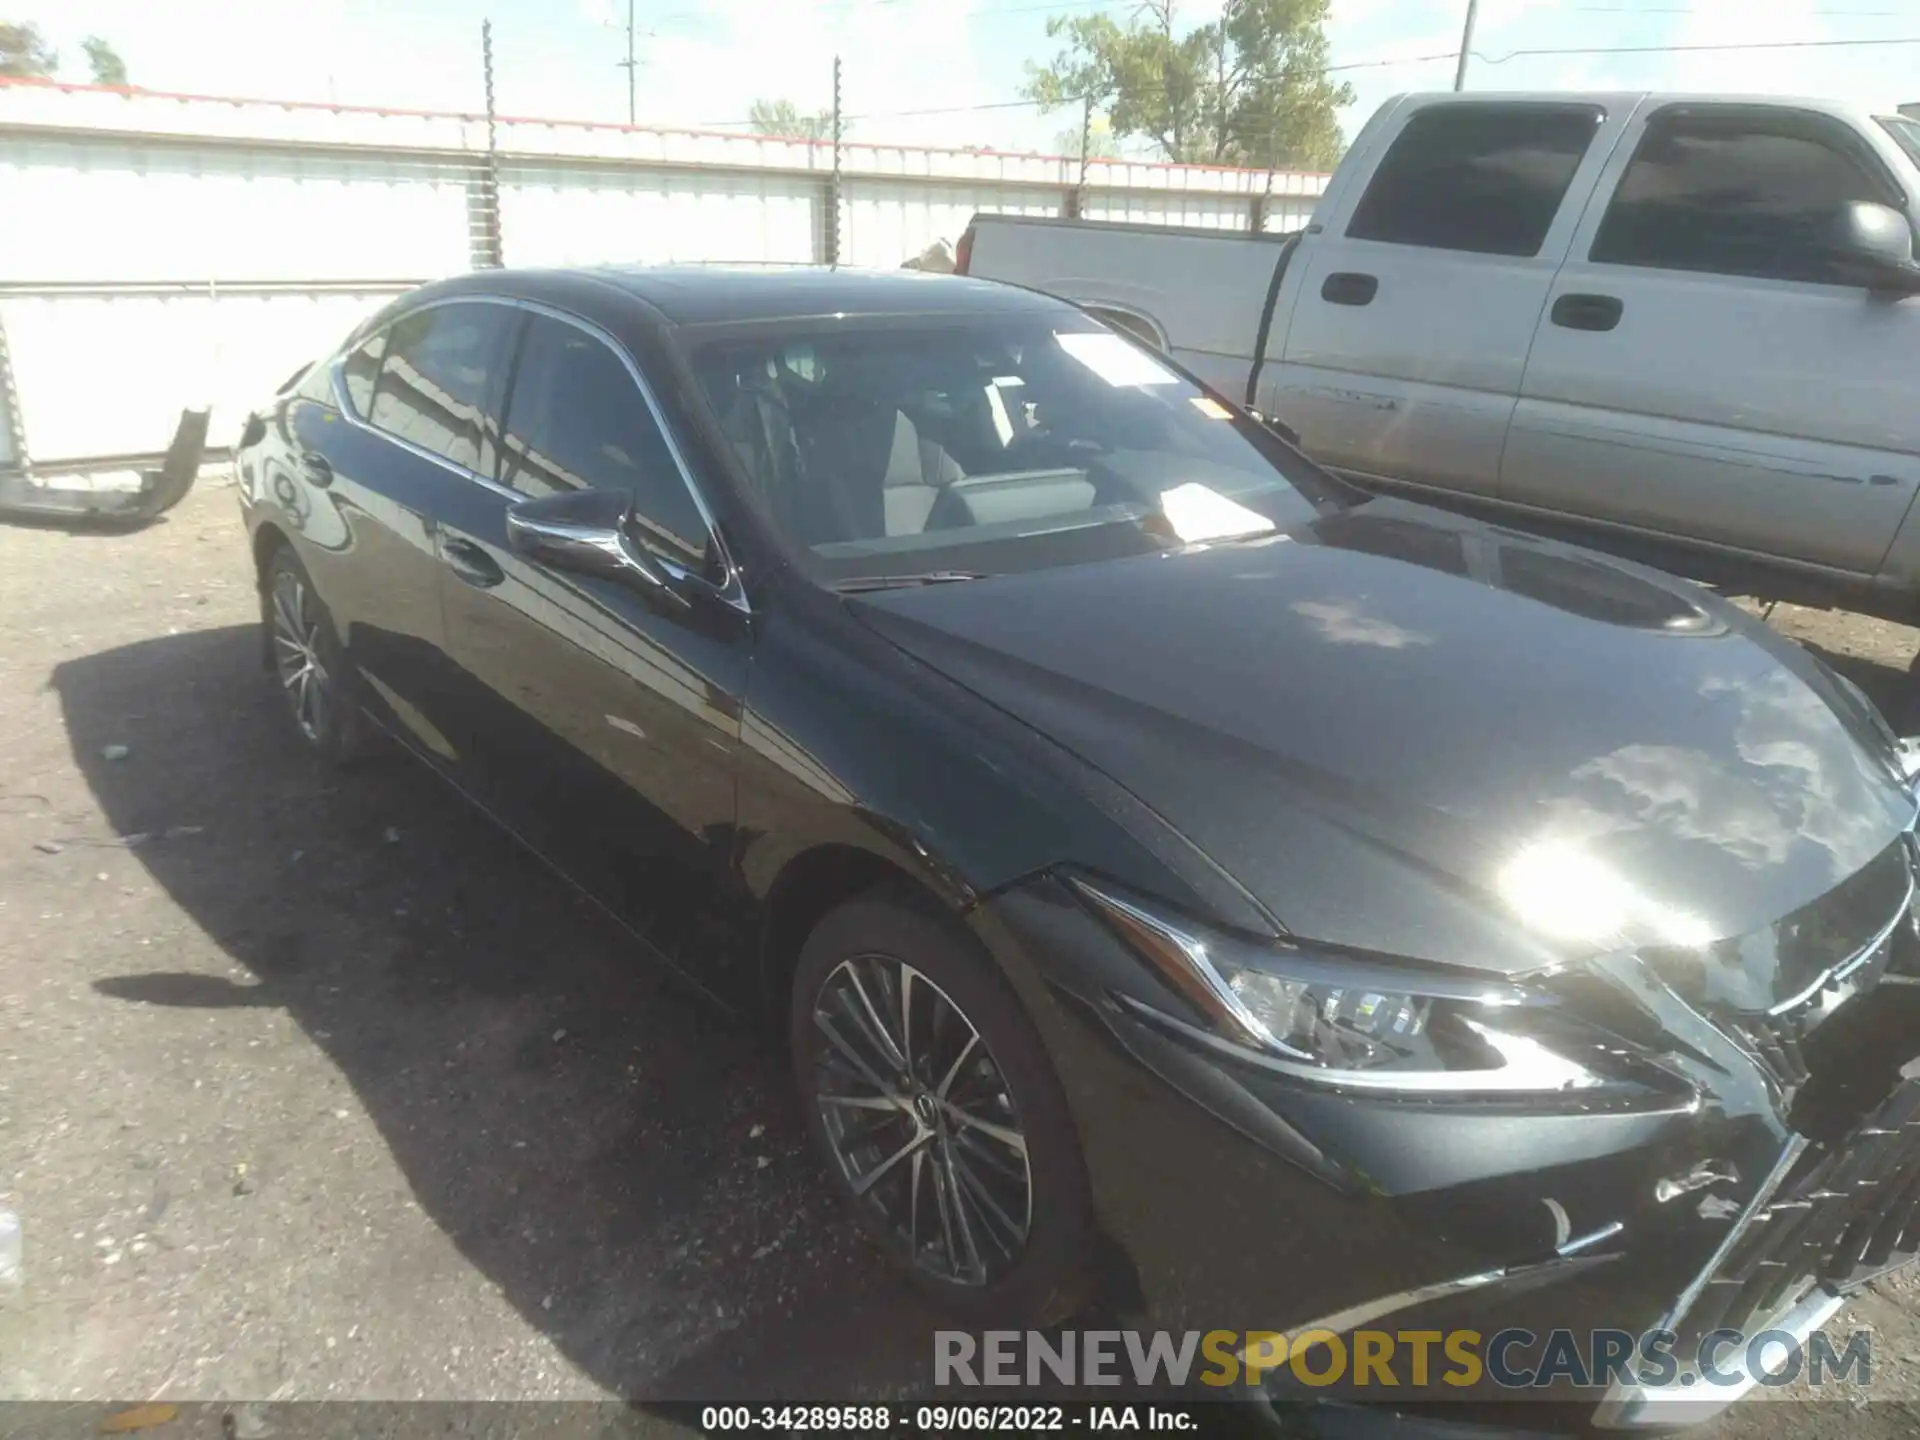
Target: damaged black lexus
pixel 1185 881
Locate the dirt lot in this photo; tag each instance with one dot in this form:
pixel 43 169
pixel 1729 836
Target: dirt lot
pixel 325 1090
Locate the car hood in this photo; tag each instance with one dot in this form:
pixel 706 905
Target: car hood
pixel 1417 734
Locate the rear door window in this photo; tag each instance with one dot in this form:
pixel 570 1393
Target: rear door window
pixel 1735 194
pixel 362 369
pixel 1482 178
pixel 437 381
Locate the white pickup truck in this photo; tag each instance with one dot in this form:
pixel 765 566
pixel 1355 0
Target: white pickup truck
pixel 1672 326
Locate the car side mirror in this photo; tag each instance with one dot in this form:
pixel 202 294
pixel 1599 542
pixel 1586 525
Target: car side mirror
pixel 1874 244
pixel 589 532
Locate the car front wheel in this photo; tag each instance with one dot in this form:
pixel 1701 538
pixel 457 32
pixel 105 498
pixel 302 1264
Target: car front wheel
pixel 933 1103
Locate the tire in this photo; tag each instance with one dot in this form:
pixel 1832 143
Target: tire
pixel 305 658
pixel 945 1208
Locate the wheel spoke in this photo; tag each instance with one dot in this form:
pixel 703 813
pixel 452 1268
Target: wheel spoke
pixel 946 1218
pixel 296 677
pixel 984 1202
pixel 1010 1138
pixel 876 1028
pixel 862 1102
pixel 958 1060
pixel 284 609
pixel 867 1180
pixel 906 1018
pixel 976 1269
pixel 317 698
pixel 1001 1161
pixel 913 1204
pixel 850 1055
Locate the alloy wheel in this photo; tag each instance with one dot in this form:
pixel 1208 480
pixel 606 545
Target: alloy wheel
pixel 921 1120
pixel 296 655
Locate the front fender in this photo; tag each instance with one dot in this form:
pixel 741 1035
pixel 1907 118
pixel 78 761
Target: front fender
pixel 847 741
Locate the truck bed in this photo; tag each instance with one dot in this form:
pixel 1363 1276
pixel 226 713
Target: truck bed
pixel 1220 282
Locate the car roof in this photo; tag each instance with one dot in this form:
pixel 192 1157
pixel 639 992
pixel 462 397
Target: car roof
pixel 719 294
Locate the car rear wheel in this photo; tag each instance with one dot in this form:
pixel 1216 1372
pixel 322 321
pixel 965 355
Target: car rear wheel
pixel 307 662
pixel 936 1110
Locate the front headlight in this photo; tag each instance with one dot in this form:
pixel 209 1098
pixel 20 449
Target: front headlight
pixel 1363 1023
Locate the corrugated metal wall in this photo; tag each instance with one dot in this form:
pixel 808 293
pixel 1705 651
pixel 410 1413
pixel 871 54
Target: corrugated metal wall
pixel 107 372
pixel 180 251
pixel 885 222
pixel 596 214
pixel 106 209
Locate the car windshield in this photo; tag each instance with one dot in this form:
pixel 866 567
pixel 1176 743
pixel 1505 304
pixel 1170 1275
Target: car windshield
pixel 939 449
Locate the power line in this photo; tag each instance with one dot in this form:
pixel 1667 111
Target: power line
pixel 1393 61
pixel 1689 49
pixel 979 12
pixel 1717 10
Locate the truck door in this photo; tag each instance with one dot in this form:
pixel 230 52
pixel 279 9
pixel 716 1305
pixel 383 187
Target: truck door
pixel 1403 346
pixel 1698 373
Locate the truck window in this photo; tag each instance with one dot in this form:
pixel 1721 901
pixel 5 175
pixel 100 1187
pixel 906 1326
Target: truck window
pixel 1905 133
pixel 1734 195
pixel 1482 178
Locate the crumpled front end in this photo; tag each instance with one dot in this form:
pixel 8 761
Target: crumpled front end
pixel 1777 1173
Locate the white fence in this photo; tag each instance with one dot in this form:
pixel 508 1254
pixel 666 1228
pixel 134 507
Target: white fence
pixel 163 252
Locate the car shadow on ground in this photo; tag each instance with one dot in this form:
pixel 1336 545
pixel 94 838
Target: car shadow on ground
pixel 623 1163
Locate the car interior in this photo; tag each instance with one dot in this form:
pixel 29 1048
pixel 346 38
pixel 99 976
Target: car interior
pixel 894 448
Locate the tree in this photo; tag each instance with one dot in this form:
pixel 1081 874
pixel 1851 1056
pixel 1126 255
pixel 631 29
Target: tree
pixel 1249 88
pixel 24 54
pixel 783 118
pixel 107 66
pixel 1100 142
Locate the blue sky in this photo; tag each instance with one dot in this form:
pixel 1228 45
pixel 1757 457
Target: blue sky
pixel 702 64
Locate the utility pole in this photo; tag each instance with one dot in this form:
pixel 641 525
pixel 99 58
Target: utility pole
pixel 1086 151
pixel 485 223
pixel 1466 45
pixel 630 65
pixel 833 218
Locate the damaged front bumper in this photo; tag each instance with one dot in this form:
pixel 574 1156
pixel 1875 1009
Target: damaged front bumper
pixel 1237 1200
pixel 55 494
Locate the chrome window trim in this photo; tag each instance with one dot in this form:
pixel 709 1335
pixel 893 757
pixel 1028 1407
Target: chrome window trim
pixel 731 590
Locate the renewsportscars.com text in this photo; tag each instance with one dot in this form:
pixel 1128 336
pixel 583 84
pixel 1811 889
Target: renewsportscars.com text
pixel 1396 1359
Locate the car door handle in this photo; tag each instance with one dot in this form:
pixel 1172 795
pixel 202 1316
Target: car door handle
pixel 1587 312
pixel 1346 288
pixel 472 564
pixel 315 467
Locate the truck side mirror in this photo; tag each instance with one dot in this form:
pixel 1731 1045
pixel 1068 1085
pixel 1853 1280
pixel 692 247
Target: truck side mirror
pixel 1874 245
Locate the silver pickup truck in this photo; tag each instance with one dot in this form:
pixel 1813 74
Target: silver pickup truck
pixel 1675 327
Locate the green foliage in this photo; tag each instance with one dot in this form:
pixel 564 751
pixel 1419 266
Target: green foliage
pixel 783 118
pixel 23 53
pixel 105 62
pixel 1247 88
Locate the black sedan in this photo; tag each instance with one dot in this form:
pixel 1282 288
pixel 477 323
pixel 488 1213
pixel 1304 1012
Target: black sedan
pixel 1181 877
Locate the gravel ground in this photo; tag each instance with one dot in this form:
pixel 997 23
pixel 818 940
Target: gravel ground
pixel 314 1089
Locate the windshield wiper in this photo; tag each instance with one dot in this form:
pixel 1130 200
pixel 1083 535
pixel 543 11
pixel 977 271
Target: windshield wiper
pixel 853 585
